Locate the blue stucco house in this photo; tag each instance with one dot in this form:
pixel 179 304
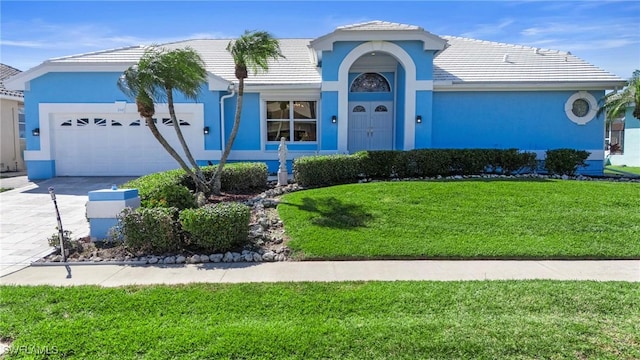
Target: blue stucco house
pixel 374 85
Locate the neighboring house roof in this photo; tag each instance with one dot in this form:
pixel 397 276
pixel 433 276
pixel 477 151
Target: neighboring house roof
pixel 6 72
pixel 459 62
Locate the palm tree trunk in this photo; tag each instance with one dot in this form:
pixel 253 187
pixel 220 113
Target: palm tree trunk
pixel 201 184
pixel 216 182
pixel 156 133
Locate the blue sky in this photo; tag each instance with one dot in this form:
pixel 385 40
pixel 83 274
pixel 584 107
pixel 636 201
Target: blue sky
pixel 604 33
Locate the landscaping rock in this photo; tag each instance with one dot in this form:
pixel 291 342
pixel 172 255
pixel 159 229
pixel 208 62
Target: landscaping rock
pixel 204 258
pixel 248 257
pixel 228 257
pixel 152 260
pixel 257 257
pixel 170 260
pixel 180 259
pixel 281 257
pixel 195 259
pixel 216 258
pixel 268 256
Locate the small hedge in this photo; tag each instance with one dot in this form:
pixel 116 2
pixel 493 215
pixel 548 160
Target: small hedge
pixel 217 227
pixel 167 188
pixel 565 161
pixel 153 230
pixel 171 195
pixel 322 170
pixel 340 169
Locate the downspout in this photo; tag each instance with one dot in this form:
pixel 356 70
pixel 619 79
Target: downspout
pixel 232 90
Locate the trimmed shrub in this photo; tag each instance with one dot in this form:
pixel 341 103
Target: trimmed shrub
pixel 149 185
pixel 244 176
pixel 152 230
pixel 467 161
pixel 217 227
pixel 565 161
pixel 383 164
pixel 171 195
pixel 161 189
pixel 340 169
pixel 427 162
pixel 236 177
pixel 326 170
pixel 512 161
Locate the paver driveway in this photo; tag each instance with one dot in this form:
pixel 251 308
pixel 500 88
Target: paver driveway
pixel 28 218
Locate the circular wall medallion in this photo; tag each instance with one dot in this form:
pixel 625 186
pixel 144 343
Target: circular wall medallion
pixel 581 107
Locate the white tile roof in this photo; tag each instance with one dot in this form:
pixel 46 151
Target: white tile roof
pixel 6 72
pixel 462 62
pixel 378 25
pixel 297 67
pixel 471 61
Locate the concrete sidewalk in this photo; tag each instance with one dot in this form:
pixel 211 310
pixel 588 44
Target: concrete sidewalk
pixel 440 270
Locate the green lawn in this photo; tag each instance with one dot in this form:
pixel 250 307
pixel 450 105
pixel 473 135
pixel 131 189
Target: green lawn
pixel 5 189
pixel 615 170
pixel 465 219
pixel 357 320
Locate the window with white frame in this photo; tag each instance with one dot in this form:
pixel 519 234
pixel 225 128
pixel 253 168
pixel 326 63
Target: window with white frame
pixel 295 120
pixel 21 122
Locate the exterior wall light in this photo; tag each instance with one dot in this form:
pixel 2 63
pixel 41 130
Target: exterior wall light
pixel 419 119
pixel 35 132
pixel 334 119
pixel 206 130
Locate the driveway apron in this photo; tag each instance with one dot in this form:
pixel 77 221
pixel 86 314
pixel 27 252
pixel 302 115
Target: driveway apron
pixel 28 217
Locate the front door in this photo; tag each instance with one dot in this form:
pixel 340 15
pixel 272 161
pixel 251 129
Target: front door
pixel 370 125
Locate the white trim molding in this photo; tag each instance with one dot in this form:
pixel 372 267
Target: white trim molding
pixel 410 91
pixel 591 111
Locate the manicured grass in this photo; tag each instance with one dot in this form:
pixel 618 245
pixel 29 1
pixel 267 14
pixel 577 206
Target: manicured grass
pixel 5 189
pixel 465 219
pixel 615 170
pixel 373 320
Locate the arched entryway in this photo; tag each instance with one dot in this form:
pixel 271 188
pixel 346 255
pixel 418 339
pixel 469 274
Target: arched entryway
pixel 371 115
pixel 403 114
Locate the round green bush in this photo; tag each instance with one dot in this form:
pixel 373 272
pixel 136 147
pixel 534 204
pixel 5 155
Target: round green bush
pixel 154 230
pixel 217 227
pixel 171 195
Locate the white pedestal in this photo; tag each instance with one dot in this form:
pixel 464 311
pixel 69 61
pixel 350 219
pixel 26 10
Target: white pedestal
pixel 283 178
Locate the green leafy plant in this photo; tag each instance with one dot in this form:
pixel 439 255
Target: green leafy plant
pixel 149 229
pixel 161 189
pixel 171 195
pixel 54 239
pixel 217 227
pixel 565 161
pixel 326 170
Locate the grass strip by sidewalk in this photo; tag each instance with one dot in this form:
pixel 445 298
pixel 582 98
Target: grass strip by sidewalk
pixel 465 219
pixel 358 320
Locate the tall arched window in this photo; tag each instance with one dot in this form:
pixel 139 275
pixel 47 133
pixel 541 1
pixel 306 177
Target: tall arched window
pixel 370 82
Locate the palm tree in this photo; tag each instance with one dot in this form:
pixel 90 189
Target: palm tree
pixel 615 104
pixel 251 51
pixel 158 73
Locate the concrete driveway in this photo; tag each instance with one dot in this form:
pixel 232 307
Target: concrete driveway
pixel 28 217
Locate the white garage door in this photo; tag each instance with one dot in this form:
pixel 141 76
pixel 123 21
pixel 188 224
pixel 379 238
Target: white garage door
pixel 117 144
